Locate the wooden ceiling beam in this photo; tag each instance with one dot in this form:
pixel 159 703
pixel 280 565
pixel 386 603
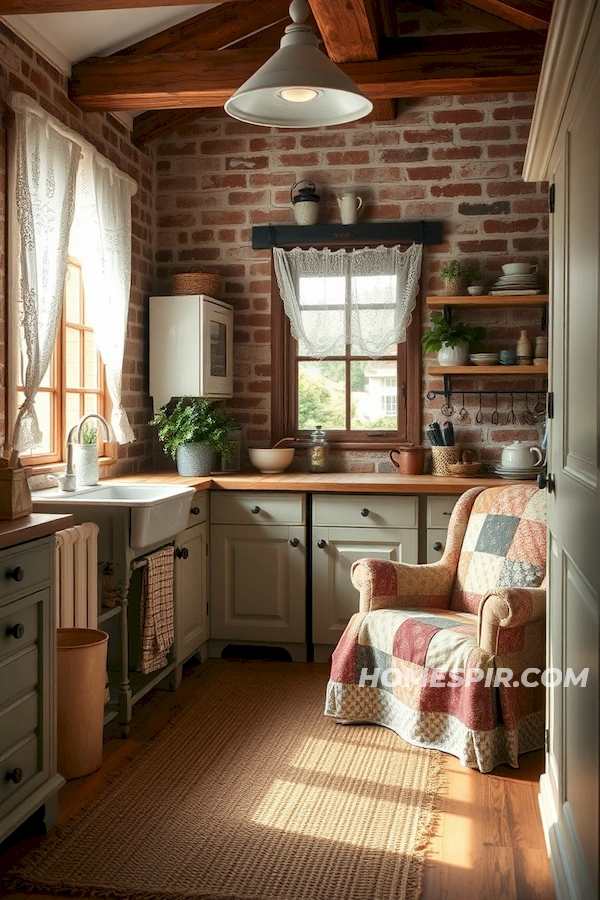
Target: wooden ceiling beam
pixel 470 16
pixel 35 7
pixel 533 15
pixel 424 67
pixel 151 125
pixel 348 28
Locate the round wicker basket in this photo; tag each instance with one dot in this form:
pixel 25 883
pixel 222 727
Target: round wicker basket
pixel 464 470
pixel 196 283
pixel 442 457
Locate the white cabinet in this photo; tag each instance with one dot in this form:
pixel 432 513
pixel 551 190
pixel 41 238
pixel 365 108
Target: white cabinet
pixel 191 586
pixel 439 510
pixel 345 529
pixel 191 348
pixel 258 571
pixel 28 776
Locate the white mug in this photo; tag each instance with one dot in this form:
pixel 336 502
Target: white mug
pixel 349 205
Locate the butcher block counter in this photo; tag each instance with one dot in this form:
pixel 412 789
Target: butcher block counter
pixel 334 482
pixel 29 528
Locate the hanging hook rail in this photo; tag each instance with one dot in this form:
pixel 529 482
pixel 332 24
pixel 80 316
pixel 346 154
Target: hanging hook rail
pixel 431 395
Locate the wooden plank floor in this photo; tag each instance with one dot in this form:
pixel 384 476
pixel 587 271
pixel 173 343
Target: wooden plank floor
pixel 488 841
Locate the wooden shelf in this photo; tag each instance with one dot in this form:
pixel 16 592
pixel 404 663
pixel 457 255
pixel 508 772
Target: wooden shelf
pixel 487 302
pixel 487 370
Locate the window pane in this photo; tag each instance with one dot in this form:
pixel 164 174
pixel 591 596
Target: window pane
pixel 72 295
pixel 73 410
pixel 375 315
pixel 90 403
pixel 73 360
pixel 323 303
pixel 322 395
pixel 90 361
pixel 374 395
pixel 43 408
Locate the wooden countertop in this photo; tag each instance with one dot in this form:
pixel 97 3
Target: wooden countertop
pixel 37 525
pixel 340 482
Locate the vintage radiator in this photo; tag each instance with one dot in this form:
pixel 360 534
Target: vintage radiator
pixel 76 576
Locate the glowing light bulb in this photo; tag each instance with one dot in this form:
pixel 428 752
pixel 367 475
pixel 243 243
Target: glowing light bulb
pixel 298 95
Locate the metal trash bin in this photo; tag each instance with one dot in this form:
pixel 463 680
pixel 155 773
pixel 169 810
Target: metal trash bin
pixel 81 679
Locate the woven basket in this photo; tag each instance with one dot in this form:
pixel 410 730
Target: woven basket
pixel 196 283
pixel 464 470
pixel 442 457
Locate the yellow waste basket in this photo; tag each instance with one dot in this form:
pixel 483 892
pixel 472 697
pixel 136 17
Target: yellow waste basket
pixel 81 680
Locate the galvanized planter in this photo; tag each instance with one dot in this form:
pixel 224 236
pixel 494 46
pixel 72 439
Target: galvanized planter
pixel 195 459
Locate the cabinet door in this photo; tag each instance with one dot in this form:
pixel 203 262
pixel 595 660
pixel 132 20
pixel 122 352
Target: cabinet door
pixel 258 583
pixel 436 543
pixel 335 599
pixel 191 617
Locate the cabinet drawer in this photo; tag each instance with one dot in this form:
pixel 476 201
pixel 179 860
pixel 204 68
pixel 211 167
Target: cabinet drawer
pixel 24 569
pixel 367 510
pixel 249 508
pixel 25 759
pixel 198 509
pixel 18 626
pixel 18 675
pixel 439 510
pixel 18 721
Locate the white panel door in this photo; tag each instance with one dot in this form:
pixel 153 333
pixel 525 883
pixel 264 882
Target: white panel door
pixel 335 599
pixel 191 614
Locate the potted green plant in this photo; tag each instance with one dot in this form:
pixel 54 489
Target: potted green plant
pixel 192 431
pixel 450 340
pixel 457 277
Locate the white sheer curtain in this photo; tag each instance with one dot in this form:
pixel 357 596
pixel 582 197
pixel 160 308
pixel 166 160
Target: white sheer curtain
pixel 102 241
pixel 362 298
pixel 46 170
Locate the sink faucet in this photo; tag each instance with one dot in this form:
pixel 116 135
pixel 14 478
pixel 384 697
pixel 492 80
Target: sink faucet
pixel 69 483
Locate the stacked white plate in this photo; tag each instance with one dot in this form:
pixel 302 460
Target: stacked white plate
pixel 485 359
pixel 517 474
pixel 516 284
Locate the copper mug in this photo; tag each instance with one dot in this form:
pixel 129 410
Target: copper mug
pixel 411 460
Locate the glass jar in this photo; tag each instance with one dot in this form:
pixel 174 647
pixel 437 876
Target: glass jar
pixel 318 451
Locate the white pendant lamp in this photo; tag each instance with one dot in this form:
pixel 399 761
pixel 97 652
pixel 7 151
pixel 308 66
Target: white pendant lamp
pixel 298 87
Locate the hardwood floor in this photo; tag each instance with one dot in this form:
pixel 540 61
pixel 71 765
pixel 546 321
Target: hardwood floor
pixel 488 842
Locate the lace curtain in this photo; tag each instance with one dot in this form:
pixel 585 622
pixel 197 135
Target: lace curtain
pixel 362 298
pixel 102 241
pixel 46 171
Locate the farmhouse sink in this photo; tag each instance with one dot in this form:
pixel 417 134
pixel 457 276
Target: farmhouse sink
pixel 157 512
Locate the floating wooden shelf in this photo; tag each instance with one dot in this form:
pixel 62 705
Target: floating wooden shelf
pixel 487 370
pixel 487 302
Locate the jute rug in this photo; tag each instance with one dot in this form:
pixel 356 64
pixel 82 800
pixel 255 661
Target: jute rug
pixel 251 793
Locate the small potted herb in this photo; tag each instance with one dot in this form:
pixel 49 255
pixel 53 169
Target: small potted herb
pixel 451 340
pixel 457 277
pixel 192 431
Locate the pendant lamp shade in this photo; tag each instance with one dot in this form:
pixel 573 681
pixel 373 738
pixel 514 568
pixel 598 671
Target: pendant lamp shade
pixel 298 87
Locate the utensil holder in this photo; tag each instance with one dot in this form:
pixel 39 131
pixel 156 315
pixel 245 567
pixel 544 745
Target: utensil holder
pixel 441 457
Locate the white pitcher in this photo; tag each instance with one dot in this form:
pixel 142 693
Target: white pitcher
pixel 349 205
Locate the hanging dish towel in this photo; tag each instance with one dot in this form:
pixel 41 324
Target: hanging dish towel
pixel 157 609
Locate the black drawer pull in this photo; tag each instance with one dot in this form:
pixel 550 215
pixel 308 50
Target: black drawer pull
pixel 294 542
pixel 438 545
pixel 16 776
pixel 195 510
pixel 182 553
pixel 321 544
pixel 364 511
pixel 255 510
pixel 18 574
pixel 446 513
pixel 17 631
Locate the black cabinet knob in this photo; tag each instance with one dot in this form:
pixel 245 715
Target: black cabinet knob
pixel 255 510
pixel 438 545
pixel 364 511
pixel 294 542
pixel 321 543
pixel 15 776
pixel 182 553
pixel 545 481
pixel 17 631
pixel 195 510
pixel 18 574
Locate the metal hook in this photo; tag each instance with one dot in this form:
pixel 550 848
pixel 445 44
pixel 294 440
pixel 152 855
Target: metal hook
pixel 463 414
pixel 494 417
pixel 479 416
pixel 447 410
pixel 511 413
pixel 540 406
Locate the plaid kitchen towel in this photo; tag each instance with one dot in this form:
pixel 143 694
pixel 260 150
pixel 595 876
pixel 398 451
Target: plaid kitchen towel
pixel 157 609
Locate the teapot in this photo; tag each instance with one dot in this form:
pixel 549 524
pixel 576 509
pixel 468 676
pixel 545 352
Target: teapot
pixel 521 456
pixel 349 205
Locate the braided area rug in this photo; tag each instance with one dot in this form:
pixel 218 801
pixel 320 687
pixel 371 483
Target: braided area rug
pixel 251 793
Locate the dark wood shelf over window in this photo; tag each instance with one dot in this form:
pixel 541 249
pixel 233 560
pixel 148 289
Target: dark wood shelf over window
pixel 361 234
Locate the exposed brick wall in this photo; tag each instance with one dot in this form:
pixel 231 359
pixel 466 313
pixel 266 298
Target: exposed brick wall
pixel 458 159
pixel 22 69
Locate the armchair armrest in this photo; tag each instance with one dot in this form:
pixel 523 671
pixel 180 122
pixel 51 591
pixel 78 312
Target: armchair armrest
pixel 391 585
pixel 508 608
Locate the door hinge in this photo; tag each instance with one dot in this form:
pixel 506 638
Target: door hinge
pixel 550 405
pixel 206 552
pixel 207 609
pixel 546 739
pixel 551 198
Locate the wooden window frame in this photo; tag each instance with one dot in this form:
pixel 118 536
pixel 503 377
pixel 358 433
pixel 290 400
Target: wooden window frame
pixel 284 388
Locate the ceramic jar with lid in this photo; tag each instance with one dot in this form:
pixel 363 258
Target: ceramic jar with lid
pixel 524 349
pixel 305 202
pixel 318 451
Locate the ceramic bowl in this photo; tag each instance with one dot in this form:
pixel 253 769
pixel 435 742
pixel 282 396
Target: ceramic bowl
pixel 475 290
pixel 271 462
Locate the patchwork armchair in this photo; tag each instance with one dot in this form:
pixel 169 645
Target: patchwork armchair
pixel 439 653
